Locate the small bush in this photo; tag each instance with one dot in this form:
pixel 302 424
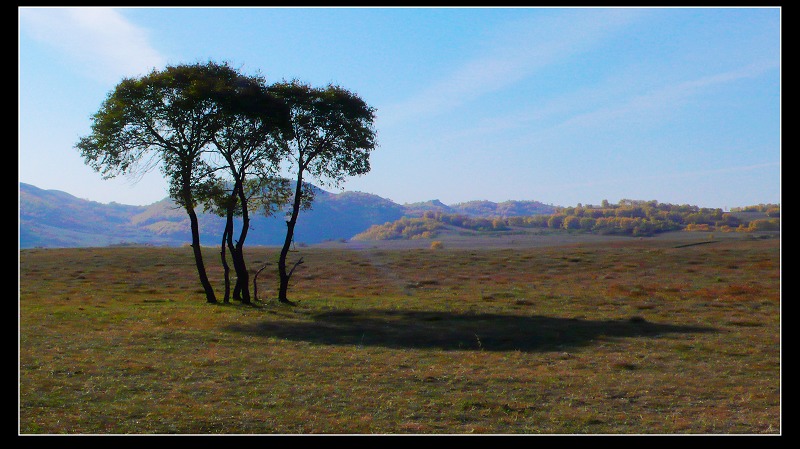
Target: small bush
pixel 436 244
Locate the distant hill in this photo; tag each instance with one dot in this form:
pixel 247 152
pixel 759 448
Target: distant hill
pixel 55 218
pixel 52 218
pixel 487 209
pixel 629 217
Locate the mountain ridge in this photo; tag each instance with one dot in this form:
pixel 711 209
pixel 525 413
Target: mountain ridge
pixel 53 218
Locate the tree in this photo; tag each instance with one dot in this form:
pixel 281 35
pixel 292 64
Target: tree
pixel 251 124
pixel 555 221
pixel 167 117
pixel 571 222
pixel 263 194
pixel 332 136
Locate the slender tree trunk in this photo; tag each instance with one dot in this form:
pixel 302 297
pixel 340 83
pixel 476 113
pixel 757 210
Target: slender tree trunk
pixel 243 277
pixel 237 288
pixel 227 241
pixel 198 255
pixel 225 267
pixel 241 291
pixel 283 274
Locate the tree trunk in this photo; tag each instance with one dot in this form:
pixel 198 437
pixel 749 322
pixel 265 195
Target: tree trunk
pixel 227 240
pixel 237 289
pixel 283 274
pixel 198 256
pixel 241 291
pixel 243 276
pixel 225 267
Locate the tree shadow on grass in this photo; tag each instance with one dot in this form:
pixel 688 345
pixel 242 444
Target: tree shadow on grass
pixel 455 331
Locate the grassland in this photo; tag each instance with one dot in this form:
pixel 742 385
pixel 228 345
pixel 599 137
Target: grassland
pixel 606 336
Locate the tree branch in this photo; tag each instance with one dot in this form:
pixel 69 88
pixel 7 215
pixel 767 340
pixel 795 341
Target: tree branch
pixel 299 262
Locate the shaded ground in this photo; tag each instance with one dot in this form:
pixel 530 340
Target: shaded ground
pixel 452 331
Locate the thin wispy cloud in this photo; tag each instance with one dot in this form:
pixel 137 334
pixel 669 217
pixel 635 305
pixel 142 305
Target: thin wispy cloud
pixel 524 48
pixel 609 105
pixel 666 98
pixel 100 42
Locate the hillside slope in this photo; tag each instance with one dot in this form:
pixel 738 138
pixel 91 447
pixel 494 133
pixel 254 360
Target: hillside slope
pixel 51 218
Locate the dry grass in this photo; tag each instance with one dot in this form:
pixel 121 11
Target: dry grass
pixel 626 337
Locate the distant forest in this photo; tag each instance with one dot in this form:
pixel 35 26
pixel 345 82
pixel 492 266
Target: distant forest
pixel 628 217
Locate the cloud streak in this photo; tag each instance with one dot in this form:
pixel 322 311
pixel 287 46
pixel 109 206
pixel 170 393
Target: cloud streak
pixel 604 107
pixel 665 98
pixel 524 48
pixel 100 42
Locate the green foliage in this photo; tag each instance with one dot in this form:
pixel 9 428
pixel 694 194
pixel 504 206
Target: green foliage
pixel 167 117
pixel 332 135
pixel 170 118
pixel 332 131
pixel 220 138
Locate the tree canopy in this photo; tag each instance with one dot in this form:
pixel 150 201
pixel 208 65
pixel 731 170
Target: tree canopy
pixel 196 122
pixel 332 137
pixel 222 138
pixel 249 129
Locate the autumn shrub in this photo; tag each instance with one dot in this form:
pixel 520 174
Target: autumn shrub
pixel 770 224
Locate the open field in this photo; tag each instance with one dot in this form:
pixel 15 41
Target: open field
pixel 572 336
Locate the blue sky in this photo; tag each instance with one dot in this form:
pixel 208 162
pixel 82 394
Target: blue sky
pixel 558 105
